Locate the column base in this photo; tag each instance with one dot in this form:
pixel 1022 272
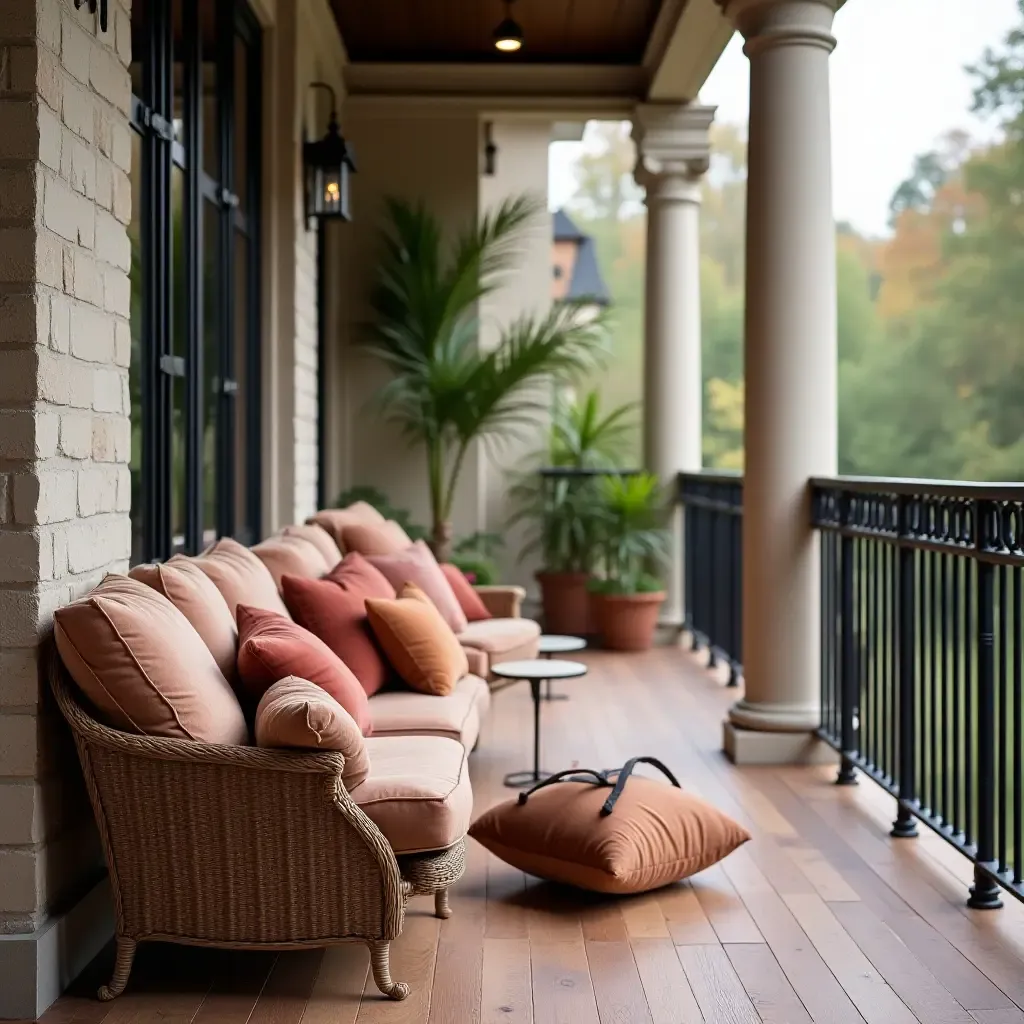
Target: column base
pixel 775 717
pixel 750 746
pixel 38 966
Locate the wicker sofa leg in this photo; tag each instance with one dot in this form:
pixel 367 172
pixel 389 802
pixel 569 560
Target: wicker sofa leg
pixel 122 968
pixel 380 961
pixel 441 907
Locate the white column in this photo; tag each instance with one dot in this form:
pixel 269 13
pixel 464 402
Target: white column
pixel 790 370
pixel 673 151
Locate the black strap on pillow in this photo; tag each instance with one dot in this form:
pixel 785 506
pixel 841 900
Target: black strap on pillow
pixel 614 779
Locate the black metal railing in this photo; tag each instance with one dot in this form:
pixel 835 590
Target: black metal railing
pixel 713 565
pixel 922 612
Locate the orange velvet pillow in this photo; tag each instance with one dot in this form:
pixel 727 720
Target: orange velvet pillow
pixel 375 538
pixel 419 644
pixel 469 600
pixel 655 835
pixel 334 609
pixel 271 647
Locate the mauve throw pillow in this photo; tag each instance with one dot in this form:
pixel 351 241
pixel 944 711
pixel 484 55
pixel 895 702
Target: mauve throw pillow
pixel 375 538
pixel 418 643
pixel 417 565
pixel 293 556
pixel 469 600
pixel 298 714
pixel 144 667
pixel 656 834
pixel 334 609
pixel 320 537
pixel 193 593
pixel 239 575
pixel 271 647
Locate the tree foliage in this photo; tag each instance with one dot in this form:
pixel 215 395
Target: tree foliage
pixel 931 317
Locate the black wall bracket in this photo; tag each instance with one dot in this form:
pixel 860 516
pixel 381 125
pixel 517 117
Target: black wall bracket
pixel 93 4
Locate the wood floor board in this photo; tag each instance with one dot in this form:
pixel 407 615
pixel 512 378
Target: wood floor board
pixel 716 987
pixel 670 999
pixel 617 985
pixel 766 984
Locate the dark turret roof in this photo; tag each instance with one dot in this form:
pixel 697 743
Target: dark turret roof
pixel 587 284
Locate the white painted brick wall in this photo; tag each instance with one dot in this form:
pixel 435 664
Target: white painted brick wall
pixel 65 201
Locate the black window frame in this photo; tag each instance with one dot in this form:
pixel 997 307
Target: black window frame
pixel 152 118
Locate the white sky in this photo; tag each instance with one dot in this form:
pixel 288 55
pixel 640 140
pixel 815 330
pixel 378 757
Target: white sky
pixel 897 85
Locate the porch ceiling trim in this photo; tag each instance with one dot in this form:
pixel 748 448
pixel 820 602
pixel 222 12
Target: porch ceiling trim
pixel 509 107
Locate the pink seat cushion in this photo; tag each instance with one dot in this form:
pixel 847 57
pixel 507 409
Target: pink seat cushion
pixel 334 609
pixel 469 600
pixel 417 565
pixel 271 647
pixel 418 792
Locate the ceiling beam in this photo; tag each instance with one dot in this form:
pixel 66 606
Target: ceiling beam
pixel 700 34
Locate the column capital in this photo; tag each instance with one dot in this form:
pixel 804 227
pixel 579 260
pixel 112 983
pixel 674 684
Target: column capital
pixel 673 149
pixel 766 24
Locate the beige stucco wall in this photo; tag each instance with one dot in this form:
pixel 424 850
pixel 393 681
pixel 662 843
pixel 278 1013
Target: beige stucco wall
pixel 414 153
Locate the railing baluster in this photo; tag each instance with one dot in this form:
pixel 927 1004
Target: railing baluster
pixel 848 676
pixel 905 827
pixel 985 891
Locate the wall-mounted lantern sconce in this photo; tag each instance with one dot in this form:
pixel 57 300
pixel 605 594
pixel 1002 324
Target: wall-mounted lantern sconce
pixel 92 8
pixel 328 163
pixel 490 150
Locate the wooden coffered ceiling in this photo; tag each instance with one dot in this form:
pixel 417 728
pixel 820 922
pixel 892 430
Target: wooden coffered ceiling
pixel 613 32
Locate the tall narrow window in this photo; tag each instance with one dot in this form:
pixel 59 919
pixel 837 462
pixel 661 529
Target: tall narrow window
pixel 195 264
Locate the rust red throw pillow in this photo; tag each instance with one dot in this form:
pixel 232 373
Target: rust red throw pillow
pixel 469 600
pixel 271 647
pixel 334 609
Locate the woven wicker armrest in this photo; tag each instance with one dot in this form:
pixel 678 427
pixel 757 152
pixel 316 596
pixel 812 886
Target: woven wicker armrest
pixel 232 845
pixel 503 602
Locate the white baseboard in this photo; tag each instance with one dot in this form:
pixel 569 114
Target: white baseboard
pixel 36 967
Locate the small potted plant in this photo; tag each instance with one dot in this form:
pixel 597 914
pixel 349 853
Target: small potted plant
pixel 559 501
pixel 634 544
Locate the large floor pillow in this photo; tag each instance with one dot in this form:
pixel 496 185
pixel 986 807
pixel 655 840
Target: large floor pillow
pixel 653 834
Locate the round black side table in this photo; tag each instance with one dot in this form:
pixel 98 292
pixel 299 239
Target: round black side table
pixel 556 643
pixel 535 672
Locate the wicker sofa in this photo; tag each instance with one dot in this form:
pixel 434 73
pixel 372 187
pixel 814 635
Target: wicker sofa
pixel 245 847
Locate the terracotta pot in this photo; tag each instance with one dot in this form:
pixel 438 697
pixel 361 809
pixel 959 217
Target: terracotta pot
pixel 566 609
pixel 627 622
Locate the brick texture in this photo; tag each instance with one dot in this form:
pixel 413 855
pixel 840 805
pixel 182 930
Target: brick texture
pixel 65 203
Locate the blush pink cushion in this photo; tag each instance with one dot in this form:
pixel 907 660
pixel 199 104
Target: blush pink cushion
pixel 375 538
pixel 192 592
pixel 333 520
pixel 320 537
pixel 418 566
pixel 469 600
pixel 239 575
pixel 271 647
pixel 299 714
pixel 144 667
pixel 293 556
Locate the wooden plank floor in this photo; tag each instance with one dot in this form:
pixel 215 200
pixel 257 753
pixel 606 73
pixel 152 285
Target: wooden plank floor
pixel 821 918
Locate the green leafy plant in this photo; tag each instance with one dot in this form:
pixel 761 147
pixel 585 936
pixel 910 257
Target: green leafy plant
pixel 633 540
pixel 563 511
pixel 446 391
pixel 476 554
pixel 380 501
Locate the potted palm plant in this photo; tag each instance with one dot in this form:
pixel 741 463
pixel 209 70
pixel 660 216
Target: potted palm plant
pixel 556 495
pixel 446 392
pixel 634 545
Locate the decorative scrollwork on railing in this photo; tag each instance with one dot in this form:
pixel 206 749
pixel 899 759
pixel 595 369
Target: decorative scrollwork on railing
pixel 940 520
pixel 1001 528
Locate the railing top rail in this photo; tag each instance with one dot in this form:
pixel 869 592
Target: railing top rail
pixel 567 471
pixel 713 476
pixel 926 488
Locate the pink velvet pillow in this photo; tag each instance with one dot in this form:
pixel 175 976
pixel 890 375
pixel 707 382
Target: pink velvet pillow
pixel 271 647
pixel 469 600
pixel 417 565
pixel 375 538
